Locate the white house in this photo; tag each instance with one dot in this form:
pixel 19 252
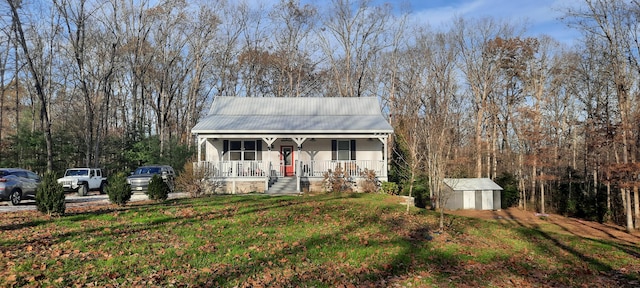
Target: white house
pixel 472 193
pixel 251 144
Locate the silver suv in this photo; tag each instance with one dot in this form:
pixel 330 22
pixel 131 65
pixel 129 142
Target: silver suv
pixel 139 179
pixel 17 184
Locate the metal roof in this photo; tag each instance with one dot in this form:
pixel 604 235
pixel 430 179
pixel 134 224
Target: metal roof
pixel 467 184
pixel 293 115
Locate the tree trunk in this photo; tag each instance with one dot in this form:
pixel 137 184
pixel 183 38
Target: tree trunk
pixel 542 207
pixel 629 211
pixel 636 208
pixel 534 175
pixel 478 139
pixel 44 115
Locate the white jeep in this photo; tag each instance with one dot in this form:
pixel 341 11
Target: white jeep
pixel 83 180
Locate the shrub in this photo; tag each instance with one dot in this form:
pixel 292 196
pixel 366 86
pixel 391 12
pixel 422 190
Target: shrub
pixel 118 189
pixel 390 188
pixel 192 180
pixel 158 190
pixel 50 195
pixel 370 182
pixel 337 180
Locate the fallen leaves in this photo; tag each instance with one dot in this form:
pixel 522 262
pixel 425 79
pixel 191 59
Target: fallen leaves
pixel 269 242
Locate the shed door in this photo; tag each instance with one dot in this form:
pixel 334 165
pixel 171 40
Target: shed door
pixel 468 200
pixel 487 200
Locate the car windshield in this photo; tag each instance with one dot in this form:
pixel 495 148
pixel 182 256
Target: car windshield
pixel 147 170
pixel 73 172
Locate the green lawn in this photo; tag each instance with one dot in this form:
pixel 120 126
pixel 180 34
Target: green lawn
pixel 310 241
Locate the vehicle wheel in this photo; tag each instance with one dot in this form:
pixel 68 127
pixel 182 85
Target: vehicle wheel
pixel 15 197
pixel 101 188
pixel 82 190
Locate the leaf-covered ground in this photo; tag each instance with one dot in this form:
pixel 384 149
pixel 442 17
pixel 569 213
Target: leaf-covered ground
pixel 334 240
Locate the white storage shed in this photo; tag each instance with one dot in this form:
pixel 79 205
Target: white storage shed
pixel 472 193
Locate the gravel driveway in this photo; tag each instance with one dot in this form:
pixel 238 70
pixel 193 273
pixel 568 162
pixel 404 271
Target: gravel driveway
pixel 73 200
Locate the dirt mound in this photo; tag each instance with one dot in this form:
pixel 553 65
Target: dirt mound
pixel 578 227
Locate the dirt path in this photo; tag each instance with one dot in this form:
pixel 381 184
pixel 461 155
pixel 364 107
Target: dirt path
pixel 582 228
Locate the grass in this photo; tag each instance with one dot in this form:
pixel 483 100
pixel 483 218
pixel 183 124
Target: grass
pixel 311 241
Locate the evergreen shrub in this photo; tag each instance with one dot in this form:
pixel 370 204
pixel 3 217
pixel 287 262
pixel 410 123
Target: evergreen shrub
pixel 158 190
pixel 50 195
pixel 118 189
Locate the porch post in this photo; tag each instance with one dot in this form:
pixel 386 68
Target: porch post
pixel 200 140
pixel 297 168
pixel 269 141
pixel 199 145
pixel 298 165
pixel 385 165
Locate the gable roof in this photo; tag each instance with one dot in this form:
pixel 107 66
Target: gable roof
pixel 468 184
pixel 293 115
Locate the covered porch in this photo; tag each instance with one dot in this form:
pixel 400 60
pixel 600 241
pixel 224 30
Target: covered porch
pixel 235 160
pixel 252 144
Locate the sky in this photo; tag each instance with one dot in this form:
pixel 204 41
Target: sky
pixel 541 16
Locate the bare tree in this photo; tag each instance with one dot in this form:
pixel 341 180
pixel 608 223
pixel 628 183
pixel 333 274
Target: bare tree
pixel 612 22
pixel 292 41
pixel 200 45
pixel 37 75
pixel 350 40
pixel 93 53
pixel 5 51
pixel 438 99
pixel 480 70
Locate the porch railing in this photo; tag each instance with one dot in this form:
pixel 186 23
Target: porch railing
pixel 225 169
pixel 262 169
pixel 353 168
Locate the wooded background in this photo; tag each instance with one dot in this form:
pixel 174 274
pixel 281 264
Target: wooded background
pixel 119 83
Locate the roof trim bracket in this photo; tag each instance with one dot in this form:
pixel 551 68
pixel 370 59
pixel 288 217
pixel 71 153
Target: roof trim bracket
pixel 299 140
pixel 269 140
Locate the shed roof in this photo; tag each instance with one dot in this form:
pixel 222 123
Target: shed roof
pixel 293 115
pixel 466 184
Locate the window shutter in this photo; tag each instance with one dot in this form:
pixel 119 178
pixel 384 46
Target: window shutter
pixel 334 149
pixel 259 150
pixel 353 149
pixel 225 146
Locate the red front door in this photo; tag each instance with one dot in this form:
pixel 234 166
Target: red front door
pixel 286 160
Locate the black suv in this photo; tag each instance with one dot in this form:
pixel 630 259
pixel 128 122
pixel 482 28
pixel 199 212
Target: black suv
pixel 139 179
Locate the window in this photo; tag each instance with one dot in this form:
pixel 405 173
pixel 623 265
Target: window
pixel 343 150
pixel 247 150
pixel 33 176
pixel 21 174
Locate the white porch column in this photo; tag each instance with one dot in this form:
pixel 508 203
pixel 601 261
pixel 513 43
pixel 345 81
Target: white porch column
pixel 269 141
pixel 298 163
pixel 385 166
pixel 200 140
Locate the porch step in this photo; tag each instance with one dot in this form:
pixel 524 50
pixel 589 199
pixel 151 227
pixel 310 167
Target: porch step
pixel 284 185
